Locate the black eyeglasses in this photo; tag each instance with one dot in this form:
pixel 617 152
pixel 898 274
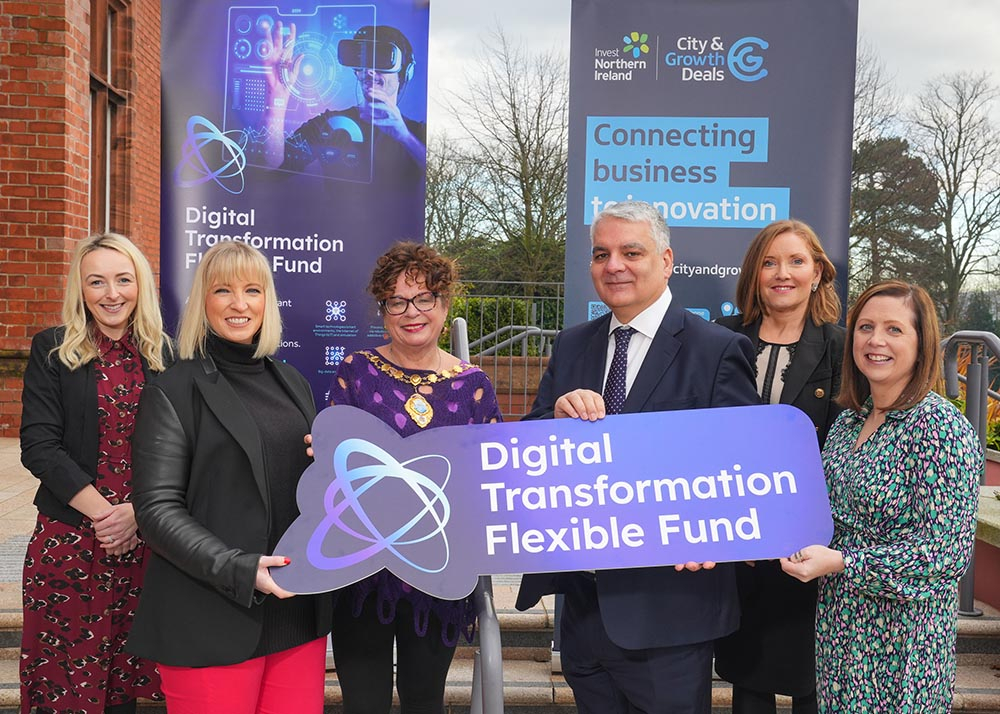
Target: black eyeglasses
pixel 397 305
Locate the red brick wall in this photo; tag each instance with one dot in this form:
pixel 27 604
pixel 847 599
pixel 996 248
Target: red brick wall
pixel 145 168
pixel 44 163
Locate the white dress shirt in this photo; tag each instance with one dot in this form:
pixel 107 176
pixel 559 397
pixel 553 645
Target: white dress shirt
pixel 645 324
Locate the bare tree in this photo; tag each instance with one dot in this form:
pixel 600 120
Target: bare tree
pixel 876 99
pixel 453 215
pixel 953 133
pixel 513 150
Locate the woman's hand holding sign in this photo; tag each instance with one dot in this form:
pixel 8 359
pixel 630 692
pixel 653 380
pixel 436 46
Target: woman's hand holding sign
pixel 813 561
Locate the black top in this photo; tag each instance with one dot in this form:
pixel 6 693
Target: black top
pixel 286 623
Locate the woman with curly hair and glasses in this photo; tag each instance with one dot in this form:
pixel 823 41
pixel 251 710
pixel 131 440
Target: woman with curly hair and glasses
pixel 411 384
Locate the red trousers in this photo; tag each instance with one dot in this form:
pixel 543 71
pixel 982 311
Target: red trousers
pixel 287 682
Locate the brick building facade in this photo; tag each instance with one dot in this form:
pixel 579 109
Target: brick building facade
pixel 79 154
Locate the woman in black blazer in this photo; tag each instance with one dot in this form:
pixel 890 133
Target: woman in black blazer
pixel 84 567
pixel 218 451
pixel 789 307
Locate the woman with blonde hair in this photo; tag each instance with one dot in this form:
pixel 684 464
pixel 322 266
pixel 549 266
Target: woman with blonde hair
pixel 85 563
pixel 218 458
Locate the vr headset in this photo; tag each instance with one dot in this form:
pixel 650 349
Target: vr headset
pixel 379 55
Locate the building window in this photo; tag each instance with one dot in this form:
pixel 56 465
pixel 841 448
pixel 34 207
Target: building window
pixel 110 55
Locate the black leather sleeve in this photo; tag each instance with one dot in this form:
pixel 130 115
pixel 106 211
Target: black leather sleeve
pixel 161 471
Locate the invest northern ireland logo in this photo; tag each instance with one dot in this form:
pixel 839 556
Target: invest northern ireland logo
pixel 620 63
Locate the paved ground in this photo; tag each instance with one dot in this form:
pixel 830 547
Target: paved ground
pixel 17 519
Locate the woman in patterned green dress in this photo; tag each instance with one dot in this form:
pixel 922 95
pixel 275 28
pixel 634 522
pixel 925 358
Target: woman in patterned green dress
pixel 902 467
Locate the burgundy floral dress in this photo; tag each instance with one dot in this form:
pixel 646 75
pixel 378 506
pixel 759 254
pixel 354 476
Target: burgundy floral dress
pixel 78 601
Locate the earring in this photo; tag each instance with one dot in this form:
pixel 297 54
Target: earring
pixel 815 287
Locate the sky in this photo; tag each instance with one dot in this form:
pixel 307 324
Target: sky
pixel 916 39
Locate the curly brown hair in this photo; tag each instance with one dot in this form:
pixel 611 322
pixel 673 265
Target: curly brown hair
pixel 420 263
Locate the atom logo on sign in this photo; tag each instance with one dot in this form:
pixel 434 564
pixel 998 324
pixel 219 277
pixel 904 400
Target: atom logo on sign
pixel 209 154
pixel 365 478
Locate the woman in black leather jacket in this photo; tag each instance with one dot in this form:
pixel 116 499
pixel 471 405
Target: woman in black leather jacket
pixel 219 453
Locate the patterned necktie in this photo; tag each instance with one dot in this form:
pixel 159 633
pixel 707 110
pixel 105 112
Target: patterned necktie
pixel 614 387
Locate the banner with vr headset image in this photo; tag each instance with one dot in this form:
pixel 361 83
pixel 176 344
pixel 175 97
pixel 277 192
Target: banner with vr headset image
pixel 300 130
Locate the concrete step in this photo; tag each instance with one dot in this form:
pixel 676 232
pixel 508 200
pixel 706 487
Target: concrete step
pixel 530 687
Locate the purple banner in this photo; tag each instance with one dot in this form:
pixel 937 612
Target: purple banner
pixel 299 129
pixel 442 507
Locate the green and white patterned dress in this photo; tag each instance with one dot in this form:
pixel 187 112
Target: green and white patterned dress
pixel 904 512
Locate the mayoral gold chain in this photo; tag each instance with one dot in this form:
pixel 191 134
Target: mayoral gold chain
pixel 417 406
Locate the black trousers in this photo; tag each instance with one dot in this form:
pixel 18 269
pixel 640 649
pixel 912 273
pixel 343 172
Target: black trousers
pixel 607 679
pixel 362 651
pixel 747 701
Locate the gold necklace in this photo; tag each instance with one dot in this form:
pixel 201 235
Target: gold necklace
pixel 416 406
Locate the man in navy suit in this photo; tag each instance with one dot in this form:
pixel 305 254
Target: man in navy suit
pixel 640 639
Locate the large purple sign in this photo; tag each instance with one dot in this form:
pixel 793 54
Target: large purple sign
pixel 298 128
pixel 440 508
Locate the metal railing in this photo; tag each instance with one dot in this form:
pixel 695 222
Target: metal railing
pixel 487 667
pixel 977 394
pixel 520 335
pixel 511 327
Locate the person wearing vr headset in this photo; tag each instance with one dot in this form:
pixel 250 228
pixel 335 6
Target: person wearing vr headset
pixel 383 63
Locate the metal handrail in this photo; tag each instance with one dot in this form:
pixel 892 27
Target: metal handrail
pixel 995 396
pixel 977 393
pixel 526 331
pixel 487 667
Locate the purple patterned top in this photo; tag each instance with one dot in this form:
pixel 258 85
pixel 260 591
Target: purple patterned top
pixel 465 398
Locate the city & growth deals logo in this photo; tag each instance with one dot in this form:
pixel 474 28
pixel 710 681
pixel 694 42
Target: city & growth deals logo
pixel 701 59
pixel 617 64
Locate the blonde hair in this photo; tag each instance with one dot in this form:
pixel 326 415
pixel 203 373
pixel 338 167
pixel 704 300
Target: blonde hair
pixel 223 263
pixel 77 347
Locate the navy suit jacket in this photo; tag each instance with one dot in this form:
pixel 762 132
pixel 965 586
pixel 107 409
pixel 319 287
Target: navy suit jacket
pixel 691 364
